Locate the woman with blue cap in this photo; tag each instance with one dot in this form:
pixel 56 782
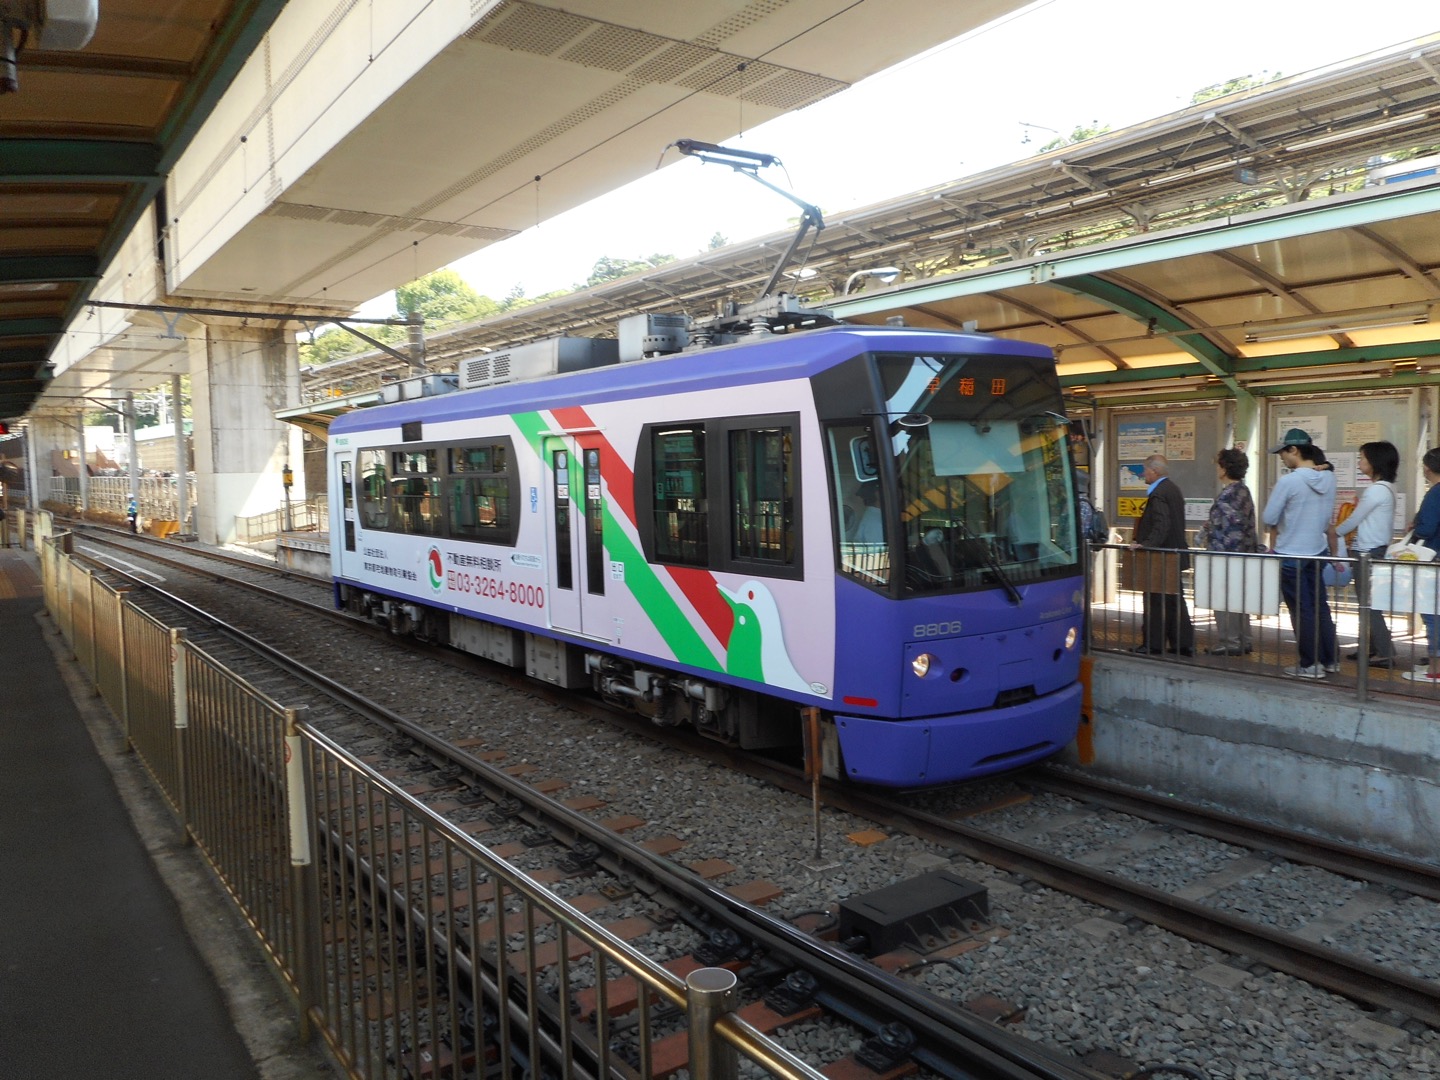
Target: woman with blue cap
pixel 1298 514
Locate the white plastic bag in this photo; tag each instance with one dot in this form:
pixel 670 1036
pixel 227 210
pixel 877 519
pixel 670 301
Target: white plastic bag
pixel 1407 550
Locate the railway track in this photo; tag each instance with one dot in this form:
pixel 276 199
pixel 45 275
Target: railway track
pixel 1029 851
pixel 517 818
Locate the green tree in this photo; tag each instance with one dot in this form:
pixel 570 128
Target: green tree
pixel 609 268
pixel 515 298
pixel 1231 86
pixel 1078 135
pixel 443 298
pixel 331 345
pixel 718 241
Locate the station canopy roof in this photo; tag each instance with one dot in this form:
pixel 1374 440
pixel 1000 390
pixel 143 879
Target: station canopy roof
pixel 1287 232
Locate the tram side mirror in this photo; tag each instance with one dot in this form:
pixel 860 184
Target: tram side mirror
pixel 862 458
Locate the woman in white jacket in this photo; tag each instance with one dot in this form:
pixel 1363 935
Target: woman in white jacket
pixel 1370 528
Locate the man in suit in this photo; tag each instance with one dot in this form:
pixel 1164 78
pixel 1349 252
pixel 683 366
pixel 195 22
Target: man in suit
pixel 1161 524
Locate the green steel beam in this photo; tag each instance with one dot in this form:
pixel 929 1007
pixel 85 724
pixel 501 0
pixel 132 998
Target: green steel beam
pixel 1161 396
pixel 87 161
pixel 30 327
pixel 1129 375
pixel 1215 359
pixel 22 356
pixel 1355 354
pixel 35 269
pixel 1380 382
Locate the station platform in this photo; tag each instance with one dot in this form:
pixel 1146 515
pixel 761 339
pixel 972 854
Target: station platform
pixel 123 958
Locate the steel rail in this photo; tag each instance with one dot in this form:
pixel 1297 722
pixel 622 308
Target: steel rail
pixel 1395 871
pixel 1333 969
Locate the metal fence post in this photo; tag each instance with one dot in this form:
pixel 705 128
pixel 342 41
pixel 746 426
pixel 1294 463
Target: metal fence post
pixel 711 993
pixel 1362 612
pixel 94 634
pixel 181 706
pixel 122 598
pixel 299 798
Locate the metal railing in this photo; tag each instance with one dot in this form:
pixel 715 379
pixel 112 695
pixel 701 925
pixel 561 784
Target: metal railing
pixel 411 949
pixel 158 497
pixel 1269 614
pixel 310 515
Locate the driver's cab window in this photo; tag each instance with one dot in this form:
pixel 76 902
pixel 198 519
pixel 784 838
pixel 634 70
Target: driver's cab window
pixel 863 548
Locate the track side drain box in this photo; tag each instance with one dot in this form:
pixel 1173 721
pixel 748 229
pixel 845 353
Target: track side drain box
pixel 922 913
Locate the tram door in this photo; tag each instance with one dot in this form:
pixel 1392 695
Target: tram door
pixel 347 499
pixel 343 547
pixel 577 552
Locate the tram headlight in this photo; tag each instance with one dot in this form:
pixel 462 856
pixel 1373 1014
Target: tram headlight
pixel 921 664
pixel 1071 636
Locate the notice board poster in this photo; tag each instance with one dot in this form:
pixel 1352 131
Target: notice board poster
pixel 1179 438
pixel 1187 437
pixel 1140 438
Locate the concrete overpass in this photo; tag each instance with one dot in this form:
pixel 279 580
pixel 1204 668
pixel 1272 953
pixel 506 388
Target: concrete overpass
pixel 356 148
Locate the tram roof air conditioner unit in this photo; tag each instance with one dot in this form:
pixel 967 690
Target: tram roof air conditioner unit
pixel 421 386
pixel 651 334
pixel 539 359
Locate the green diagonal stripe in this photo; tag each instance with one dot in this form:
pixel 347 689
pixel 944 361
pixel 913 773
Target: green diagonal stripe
pixel 532 429
pixel 659 605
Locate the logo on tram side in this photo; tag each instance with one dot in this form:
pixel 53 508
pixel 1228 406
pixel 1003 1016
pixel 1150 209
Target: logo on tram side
pixel 437 570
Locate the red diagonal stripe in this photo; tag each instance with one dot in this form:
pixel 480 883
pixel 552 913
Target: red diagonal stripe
pixel 698 586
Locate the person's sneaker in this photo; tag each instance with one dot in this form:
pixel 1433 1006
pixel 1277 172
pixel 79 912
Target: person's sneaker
pixel 1314 671
pixel 1422 676
pixel 1332 667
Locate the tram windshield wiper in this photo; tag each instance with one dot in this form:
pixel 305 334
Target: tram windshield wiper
pixel 991 562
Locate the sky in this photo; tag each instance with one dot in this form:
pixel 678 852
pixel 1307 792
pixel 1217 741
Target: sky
pixel 959 109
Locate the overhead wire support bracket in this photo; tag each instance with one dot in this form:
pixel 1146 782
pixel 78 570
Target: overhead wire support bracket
pixel 415 323
pixel 749 163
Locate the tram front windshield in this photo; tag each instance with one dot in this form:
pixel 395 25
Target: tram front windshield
pixel 982 472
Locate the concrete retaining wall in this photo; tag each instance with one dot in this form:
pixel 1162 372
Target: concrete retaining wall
pixel 1309 755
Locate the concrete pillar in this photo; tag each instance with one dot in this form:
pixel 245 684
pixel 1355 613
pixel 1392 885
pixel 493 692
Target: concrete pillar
pixel 240 376
pixel 182 458
pixel 83 467
pixel 33 494
pixel 1247 434
pixel 47 436
pixel 133 486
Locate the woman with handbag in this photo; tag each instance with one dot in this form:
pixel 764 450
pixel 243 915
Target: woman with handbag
pixel 1370 526
pixel 1231 527
pixel 1426 529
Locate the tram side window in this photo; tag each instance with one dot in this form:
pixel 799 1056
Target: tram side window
pixel 374 506
pixel 680 518
pixel 415 505
pixel 480 492
pixel 762 495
